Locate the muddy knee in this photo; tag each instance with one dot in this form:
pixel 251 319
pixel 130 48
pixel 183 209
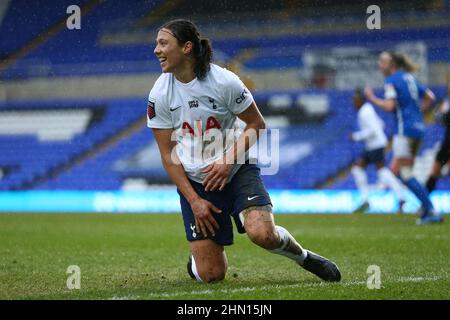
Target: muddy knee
pixel 208 261
pixel 260 227
pixel 266 238
pixel 211 276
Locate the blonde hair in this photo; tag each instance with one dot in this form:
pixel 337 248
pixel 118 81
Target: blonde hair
pixel 402 61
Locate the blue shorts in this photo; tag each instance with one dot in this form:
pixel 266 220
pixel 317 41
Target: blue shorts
pixel 373 156
pixel 246 189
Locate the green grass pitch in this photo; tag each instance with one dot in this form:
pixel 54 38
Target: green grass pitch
pixel 143 256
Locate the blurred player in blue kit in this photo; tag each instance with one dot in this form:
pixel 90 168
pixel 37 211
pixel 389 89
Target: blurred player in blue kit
pixel 402 95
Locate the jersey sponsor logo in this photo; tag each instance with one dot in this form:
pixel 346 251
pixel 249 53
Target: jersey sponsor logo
pixel 173 109
pixel 211 123
pixel 242 97
pixel 151 113
pixel 186 127
pixel 193 104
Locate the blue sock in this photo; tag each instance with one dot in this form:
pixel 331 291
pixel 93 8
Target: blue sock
pixel 420 192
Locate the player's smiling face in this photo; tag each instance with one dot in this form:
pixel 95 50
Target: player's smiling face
pixel 167 50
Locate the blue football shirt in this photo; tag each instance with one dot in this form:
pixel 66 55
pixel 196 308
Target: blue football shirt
pixel 407 91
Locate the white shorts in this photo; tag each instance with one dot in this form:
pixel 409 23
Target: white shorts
pixel 405 147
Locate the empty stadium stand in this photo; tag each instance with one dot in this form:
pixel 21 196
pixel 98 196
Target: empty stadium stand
pixel 28 144
pixel 56 136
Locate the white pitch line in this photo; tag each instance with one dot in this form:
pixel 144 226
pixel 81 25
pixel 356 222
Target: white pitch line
pixel 274 287
pixel 125 298
pixel 418 279
pixel 248 289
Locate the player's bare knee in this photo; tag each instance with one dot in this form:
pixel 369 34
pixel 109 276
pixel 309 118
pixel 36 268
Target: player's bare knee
pixel 213 275
pixel 216 277
pixel 264 235
pixel 267 239
pixel 210 261
pixel 260 227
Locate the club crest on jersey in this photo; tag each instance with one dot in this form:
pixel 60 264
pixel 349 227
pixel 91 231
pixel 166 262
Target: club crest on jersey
pixel 194 234
pixel 151 110
pixel 193 104
pixel 214 105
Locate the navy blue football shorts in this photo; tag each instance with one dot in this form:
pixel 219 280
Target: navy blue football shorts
pixel 246 189
pixel 373 156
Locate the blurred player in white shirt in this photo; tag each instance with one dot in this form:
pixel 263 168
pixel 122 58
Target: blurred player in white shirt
pixel 371 132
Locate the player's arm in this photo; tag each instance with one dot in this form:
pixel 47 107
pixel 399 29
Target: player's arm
pixel 172 164
pixel 444 107
pixel 428 100
pixel 362 134
pixel 254 124
pixel 218 172
pixel 201 208
pixel 387 104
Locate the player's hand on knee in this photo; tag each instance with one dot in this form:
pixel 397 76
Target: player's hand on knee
pixel 217 175
pixel 204 220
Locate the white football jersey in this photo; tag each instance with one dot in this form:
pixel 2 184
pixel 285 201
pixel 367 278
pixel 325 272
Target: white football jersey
pixel 371 128
pixel 195 111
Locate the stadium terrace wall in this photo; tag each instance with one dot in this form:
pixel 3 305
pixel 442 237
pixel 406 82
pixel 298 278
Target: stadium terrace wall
pixel 167 201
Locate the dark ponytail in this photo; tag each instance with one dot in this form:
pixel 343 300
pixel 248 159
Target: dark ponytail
pixel 203 59
pixel 184 31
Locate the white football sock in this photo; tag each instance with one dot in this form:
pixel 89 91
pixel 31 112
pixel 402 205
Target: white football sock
pixel 289 246
pixel 361 181
pixel 387 177
pixel 194 270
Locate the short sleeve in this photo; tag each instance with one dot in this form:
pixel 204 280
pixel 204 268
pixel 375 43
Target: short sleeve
pixel 421 89
pixel 158 115
pixel 237 96
pixel 389 90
